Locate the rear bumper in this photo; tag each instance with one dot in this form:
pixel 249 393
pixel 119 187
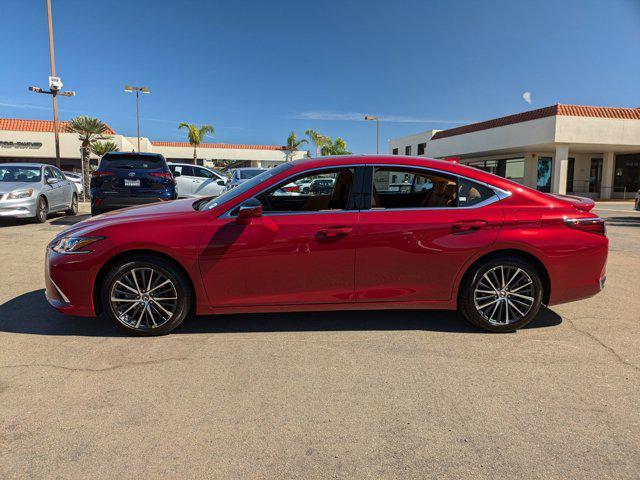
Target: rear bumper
pixel 121 201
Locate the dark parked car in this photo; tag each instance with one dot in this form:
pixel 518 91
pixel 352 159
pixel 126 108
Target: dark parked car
pixel 127 179
pixel 321 186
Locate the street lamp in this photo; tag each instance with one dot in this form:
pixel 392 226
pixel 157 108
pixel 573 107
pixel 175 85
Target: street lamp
pixel 138 90
pixel 55 85
pixel 371 117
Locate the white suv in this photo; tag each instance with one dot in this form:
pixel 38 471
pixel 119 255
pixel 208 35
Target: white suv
pixel 196 181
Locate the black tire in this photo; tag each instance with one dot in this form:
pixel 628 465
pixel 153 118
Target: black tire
pixel 42 210
pixel 96 211
pixel 475 283
pixel 305 190
pixel 181 310
pixel 73 208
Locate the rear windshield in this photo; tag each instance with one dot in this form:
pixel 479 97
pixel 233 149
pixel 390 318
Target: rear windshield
pixel 132 162
pixel 246 174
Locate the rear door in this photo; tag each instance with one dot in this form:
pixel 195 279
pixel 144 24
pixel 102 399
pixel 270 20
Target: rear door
pixel 300 251
pixel 185 181
pixel 414 240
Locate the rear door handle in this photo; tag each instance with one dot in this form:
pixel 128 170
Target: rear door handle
pixel 335 231
pixel 466 226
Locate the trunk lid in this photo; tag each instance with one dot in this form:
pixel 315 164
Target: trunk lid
pixel 582 204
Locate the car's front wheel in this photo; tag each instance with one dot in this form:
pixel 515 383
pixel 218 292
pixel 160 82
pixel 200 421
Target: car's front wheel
pixel 41 210
pixel 146 295
pixel 501 294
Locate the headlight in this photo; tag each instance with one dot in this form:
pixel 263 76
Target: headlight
pixel 20 194
pixel 74 244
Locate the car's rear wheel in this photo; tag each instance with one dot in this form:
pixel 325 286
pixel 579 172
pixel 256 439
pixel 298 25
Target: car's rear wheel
pixel 41 210
pixel 146 296
pixel 501 294
pixel 73 208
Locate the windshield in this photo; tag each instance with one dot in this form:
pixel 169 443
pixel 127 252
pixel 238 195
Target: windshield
pixel 244 187
pixel 132 162
pixel 246 174
pixel 19 174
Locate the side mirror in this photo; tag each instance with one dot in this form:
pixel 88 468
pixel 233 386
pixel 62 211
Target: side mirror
pixel 51 181
pixel 222 183
pixel 252 208
pixel 176 174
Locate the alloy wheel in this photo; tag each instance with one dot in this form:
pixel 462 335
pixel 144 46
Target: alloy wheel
pixel 504 295
pixel 41 213
pixel 143 298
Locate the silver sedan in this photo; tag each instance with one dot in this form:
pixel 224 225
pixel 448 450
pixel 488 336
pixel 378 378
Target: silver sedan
pixel 33 190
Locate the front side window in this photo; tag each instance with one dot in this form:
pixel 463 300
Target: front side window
pixel 58 174
pixel 202 172
pixel 321 191
pixel 48 174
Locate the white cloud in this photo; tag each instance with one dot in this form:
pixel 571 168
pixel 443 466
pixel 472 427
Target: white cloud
pixel 28 106
pixel 330 115
pixel 527 97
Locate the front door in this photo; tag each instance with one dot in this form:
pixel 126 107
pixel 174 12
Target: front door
pixel 54 190
pixel 300 251
pixel 420 230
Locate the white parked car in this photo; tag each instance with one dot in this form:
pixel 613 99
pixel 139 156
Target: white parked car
pixel 197 181
pixel 76 178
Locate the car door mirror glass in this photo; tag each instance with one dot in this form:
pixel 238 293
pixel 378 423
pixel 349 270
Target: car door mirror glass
pixel 222 183
pixel 252 208
pixel 176 174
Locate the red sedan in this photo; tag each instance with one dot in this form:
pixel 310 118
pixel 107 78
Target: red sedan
pixel 393 232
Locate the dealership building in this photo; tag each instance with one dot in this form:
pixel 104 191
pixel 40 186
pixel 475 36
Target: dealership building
pixel 587 151
pixel 33 141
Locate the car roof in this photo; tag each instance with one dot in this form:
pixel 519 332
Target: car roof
pixel 134 154
pixel 32 165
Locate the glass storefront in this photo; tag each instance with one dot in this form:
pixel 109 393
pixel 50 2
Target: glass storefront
pixel 543 183
pixel 511 168
pixel 627 173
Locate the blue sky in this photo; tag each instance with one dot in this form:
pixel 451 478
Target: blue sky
pixel 258 69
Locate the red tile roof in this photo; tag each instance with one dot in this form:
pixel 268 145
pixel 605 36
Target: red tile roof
pixel 558 109
pixel 219 145
pixel 23 125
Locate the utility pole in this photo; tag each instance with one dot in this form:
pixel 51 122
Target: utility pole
pixel 371 117
pixel 131 89
pixel 55 85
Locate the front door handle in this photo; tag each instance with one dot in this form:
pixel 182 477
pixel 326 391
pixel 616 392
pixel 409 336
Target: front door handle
pixel 466 226
pixel 335 231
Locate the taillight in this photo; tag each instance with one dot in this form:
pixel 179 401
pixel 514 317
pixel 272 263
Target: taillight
pixel 165 175
pixel 100 173
pixel 293 188
pixel 591 225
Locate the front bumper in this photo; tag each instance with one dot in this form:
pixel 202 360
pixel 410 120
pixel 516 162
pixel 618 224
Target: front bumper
pixel 19 208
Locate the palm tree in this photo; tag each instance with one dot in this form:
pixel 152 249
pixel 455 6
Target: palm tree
pixel 89 130
pixel 318 140
pixel 337 147
pixel 100 148
pixel 293 144
pixel 196 135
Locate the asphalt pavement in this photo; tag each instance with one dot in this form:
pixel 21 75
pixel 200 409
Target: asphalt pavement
pixel 390 394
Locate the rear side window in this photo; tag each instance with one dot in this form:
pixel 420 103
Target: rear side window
pixel 132 162
pixel 409 188
pixel 182 170
pixel 471 193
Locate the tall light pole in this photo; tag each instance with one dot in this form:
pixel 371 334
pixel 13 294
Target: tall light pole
pixel 55 85
pixel 138 90
pixel 371 117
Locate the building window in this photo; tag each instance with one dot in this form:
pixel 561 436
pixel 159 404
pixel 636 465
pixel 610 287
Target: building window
pixel 421 148
pixel 627 174
pixel 407 150
pixel 571 166
pixel 395 151
pixel 543 183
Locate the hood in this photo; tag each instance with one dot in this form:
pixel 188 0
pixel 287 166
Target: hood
pixel 8 187
pixel 132 214
pixel 579 203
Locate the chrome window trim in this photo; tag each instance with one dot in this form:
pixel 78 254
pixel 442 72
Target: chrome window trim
pixel 227 214
pixel 500 193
